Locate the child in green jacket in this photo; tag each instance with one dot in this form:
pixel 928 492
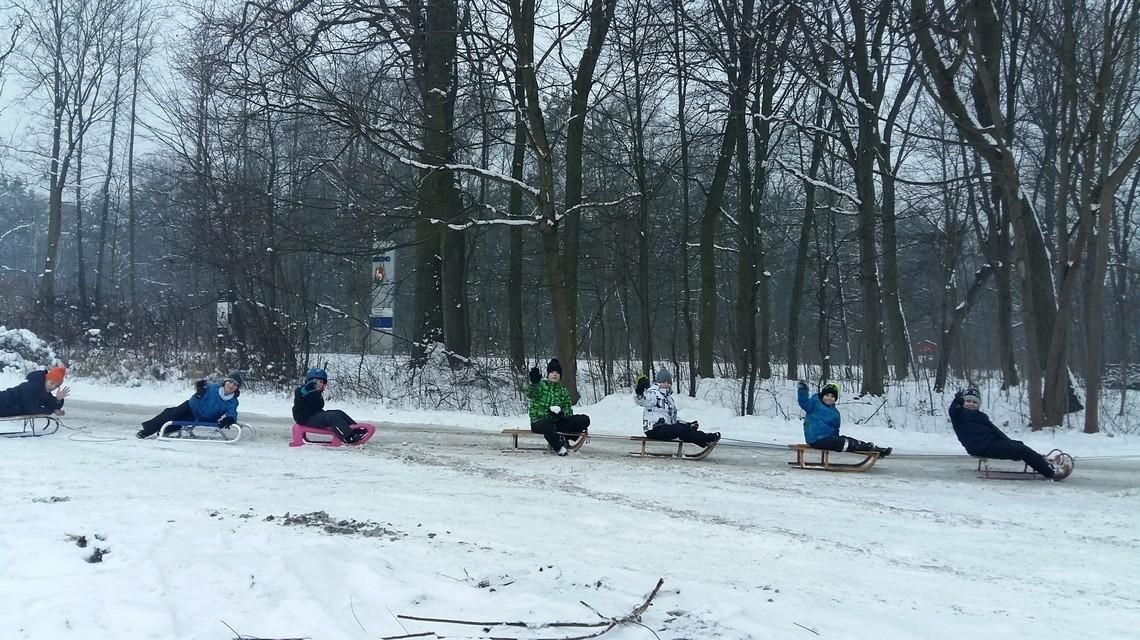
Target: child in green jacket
pixel 550 410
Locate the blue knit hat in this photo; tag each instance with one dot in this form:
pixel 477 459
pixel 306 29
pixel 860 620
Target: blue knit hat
pixel 663 375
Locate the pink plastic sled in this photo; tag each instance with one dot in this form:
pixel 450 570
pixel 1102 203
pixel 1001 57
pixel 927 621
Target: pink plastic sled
pixel 301 435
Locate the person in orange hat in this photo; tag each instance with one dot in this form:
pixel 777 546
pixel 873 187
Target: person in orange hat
pixel 42 393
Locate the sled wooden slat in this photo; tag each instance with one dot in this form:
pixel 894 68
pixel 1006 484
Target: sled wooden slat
pixel 679 454
pixel 514 434
pixel 825 463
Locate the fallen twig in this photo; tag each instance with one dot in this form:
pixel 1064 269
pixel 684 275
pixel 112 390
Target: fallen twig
pixel 604 626
pixel 238 636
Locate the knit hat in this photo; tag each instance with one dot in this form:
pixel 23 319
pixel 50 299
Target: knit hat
pixel 317 374
pixel 830 388
pixel 972 394
pixel 236 377
pixel 663 376
pixel 553 365
pixel 55 374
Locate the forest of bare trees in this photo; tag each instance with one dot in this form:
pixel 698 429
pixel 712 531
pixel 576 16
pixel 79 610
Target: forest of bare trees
pixel 863 189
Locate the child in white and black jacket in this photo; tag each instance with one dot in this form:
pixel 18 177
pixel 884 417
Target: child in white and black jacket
pixel 659 414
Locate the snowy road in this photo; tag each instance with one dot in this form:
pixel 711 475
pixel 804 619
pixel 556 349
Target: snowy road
pixel 917 548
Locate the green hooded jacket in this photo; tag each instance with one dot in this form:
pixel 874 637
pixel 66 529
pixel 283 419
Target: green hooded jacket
pixel 547 394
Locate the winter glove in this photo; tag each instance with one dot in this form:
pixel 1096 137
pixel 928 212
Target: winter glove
pixel 535 375
pixel 958 400
pixel 555 411
pixel 642 384
pixel 310 386
pixel 200 389
pixel 802 385
pixel 694 425
pixel 225 421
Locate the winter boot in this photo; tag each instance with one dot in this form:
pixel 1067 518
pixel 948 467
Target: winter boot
pixel 1061 462
pixel 884 452
pixel 141 434
pixel 713 438
pixel 354 436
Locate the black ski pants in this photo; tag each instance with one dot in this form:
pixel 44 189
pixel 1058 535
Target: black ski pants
pixel 1006 448
pixel 551 427
pixel 679 430
pixel 337 420
pixel 842 443
pixel 181 412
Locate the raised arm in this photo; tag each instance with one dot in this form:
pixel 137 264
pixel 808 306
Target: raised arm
pixel 807 402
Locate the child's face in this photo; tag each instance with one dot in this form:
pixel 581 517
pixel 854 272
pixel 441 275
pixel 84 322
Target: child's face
pixel 971 404
pixel 230 386
pixel 665 384
pixel 51 385
pixel 320 384
pixel 828 399
pixel 554 376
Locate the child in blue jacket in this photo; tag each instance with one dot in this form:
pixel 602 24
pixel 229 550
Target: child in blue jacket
pixel 821 422
pixel 210 403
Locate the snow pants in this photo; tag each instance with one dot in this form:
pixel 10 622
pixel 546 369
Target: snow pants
pixel 679 430
pixel 1008 449
pixel 181 412
pixel 337 420
pixel 550 428
pixel 842 443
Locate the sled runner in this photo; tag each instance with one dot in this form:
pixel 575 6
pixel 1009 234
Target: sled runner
pixel 679 454
pixel 985 472
pixel 1055 457
pixel 574 441
pixel 869 459
pixel 189 430
pixel 32 426
pixel 301 433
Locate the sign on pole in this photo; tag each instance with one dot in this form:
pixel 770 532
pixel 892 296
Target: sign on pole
pixel 382 319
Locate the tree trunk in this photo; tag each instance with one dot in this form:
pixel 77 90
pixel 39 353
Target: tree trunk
pixel 797 297
pixel 679 46
pixel 104 215
pixel 600 16
pixel 864 162
pixel 515 267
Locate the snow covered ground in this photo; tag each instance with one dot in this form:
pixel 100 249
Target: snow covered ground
pixel 450 526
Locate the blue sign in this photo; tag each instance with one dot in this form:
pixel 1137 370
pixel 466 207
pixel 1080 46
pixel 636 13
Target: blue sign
pixel 382 322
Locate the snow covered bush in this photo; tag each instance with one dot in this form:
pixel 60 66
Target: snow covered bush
pixel 21 350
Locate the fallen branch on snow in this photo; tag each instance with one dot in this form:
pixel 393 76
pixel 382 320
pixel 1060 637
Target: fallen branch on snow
pixel 605 625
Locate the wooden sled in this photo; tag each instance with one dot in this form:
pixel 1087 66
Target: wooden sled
pixel 986 473
pixel 575 441
pixel 32 426
pixel 825 464
pixel 679 454
pixel 191 431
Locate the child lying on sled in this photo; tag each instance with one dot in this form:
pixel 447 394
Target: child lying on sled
pixel 40 394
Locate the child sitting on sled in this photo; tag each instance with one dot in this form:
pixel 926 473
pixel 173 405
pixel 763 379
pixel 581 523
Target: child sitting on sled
pixel 550 410
pixel 210 403
pixel 309 408
pixel 659 412
pixel 983 439
pixel 821 422
pixel 40 394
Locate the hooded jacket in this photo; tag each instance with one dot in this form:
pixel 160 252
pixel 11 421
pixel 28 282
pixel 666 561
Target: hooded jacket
pixel 213 404
pixel 546 394
pixel 820 420
pixel 658 407
pixel 974 429
pixel 29 398
pixel 307 402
